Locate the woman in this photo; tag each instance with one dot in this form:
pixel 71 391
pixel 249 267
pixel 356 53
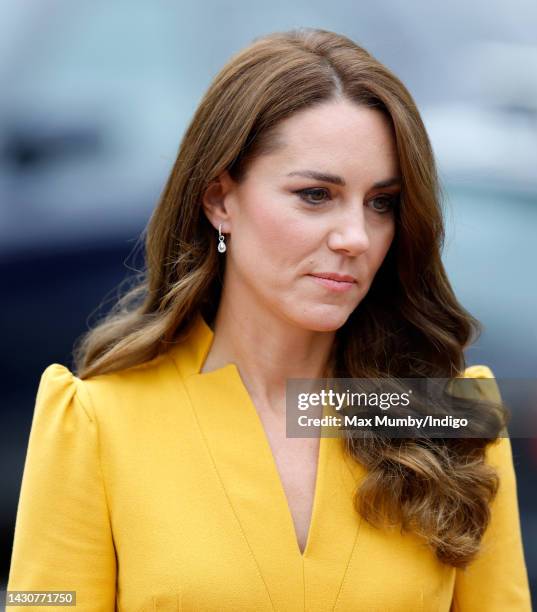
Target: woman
pixel 298 236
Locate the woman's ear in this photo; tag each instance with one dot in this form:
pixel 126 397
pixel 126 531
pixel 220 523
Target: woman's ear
pixel 217 199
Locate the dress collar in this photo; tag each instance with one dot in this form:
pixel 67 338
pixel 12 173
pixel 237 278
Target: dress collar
pixel 191 350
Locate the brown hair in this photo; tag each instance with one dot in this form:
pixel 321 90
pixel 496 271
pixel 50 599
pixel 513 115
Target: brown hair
pixel 409 324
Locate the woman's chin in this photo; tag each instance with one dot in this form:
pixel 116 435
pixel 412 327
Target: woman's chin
pixel 324 322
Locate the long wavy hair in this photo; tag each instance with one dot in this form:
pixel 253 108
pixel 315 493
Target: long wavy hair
pixel 410 323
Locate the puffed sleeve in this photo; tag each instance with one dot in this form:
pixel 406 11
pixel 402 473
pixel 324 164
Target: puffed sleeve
pixel 63 539
pixel 497 581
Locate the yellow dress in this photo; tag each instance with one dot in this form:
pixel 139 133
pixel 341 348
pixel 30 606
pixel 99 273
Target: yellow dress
pixel 155 488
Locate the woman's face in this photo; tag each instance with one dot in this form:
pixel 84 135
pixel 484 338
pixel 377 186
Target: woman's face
pixel 312 208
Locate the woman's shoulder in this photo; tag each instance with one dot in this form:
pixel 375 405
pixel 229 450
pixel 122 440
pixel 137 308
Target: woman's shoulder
pixel 132 389
pixel 108 394
pixel 499 452
pixel 59 388
pixel 482 381
pixel 64 376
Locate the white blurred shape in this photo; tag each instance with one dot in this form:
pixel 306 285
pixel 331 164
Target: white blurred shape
pixel 507 73
pixel 479 144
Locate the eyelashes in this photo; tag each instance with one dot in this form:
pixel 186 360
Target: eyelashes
pixel 305 193
pixel 311 196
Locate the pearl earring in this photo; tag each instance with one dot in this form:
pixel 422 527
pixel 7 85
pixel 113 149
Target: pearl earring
pixel 221 244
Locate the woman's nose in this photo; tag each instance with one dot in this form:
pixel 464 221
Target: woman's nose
pixel 350 233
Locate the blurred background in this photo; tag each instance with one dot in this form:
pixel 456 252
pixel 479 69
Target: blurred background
pixel 96 97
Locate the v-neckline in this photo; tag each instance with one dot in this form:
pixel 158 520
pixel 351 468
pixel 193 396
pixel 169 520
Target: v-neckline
pixel 231 372
pixel 255 507
pixel 220 394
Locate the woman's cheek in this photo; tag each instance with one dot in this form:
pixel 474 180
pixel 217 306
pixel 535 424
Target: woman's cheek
pixel 273 222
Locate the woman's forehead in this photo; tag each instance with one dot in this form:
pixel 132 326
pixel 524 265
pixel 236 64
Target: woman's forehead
pixel 333 140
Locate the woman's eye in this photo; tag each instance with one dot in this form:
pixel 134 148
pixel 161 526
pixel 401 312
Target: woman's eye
pixel 387 203
pixel 315 195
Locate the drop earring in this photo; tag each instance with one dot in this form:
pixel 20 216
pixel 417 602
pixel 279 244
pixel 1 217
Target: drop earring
pixel 221 244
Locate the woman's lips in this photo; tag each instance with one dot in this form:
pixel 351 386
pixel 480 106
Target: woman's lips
pixel 333 285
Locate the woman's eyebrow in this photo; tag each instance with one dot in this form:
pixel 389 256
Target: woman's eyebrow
pixel 338 180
